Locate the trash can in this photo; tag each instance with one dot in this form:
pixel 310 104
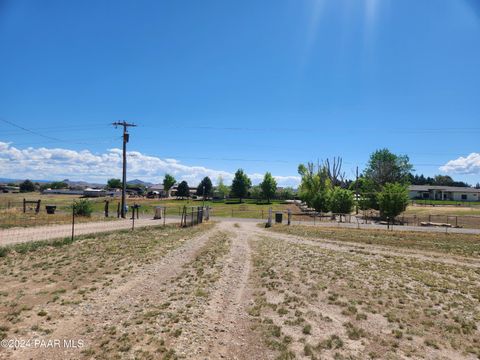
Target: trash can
pixel 278 217
pixel 50 209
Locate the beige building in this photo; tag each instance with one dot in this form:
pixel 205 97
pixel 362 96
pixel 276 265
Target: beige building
pixel 435 192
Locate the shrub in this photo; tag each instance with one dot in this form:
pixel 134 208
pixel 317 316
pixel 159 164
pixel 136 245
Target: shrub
pixel 3 251
pixel 341 201
pixel 82 207
pixel 392 200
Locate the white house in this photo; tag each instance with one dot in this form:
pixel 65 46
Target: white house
pixel 435 192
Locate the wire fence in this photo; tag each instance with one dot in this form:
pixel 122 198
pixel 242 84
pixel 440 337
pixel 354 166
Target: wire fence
pixel 31 221
pixel 18 227
pixel 372 218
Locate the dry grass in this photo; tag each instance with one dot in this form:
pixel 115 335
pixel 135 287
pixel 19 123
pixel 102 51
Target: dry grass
pixel 322 303
pixel 156 327
pixel 455 244
pixel 42 281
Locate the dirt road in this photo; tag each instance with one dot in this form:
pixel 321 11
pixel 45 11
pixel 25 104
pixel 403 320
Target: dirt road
pixel 217 324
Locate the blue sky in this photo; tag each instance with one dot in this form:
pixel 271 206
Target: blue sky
pixel 220 85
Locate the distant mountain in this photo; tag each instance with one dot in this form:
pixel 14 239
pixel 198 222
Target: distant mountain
pixel 139 182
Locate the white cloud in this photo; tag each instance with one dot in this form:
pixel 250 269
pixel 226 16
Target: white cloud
pixel 57 164
pixel 463 165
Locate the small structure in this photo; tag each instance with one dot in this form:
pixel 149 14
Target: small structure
pixel 88 192
pixel 435 192
pixel 5 188
pixel 156 191
pixel 62 192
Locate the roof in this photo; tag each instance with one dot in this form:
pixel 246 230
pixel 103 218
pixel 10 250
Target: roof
pixel 443 188
pixel 157 187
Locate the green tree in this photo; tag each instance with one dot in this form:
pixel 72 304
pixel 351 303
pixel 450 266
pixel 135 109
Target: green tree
pixel 367 193
pixel 268 186
pixel 58 185
pixel 183 190
pixel 444 180
pixel 287 193
pixel 208 187
pixel 314 186
pixel 341 201
pixel 240 185
pixel 168 182
pixel 114 183
pixel 255 192
pixel 392 200
pixel 385 167
pixel 27 186
pixel 221 188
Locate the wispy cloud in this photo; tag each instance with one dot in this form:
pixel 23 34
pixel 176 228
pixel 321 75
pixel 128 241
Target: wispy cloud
pixel 59 163
pixel 463 165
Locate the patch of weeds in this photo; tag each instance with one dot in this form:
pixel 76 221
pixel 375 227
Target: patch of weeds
pixel 353 332
pixel 307 329
pixel 333 342
pixel 431 343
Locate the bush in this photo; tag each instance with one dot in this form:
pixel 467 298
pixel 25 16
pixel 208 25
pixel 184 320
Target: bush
pixel 3 251
pixel 82 207
pixel 320 201
pixel 341 201
pixel 392 200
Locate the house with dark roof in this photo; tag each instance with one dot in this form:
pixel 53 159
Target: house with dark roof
pixel 436 192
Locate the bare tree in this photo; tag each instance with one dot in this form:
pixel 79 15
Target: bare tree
pixel 334 171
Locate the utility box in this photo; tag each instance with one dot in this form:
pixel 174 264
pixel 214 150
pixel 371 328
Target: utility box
pixel 278 217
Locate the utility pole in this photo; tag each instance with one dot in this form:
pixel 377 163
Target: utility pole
pixel 124 175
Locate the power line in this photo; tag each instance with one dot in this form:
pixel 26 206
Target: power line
pixel 30 131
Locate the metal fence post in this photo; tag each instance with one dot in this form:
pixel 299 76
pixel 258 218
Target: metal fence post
pixel 269 222
pixel 73 221
pixel 133 217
